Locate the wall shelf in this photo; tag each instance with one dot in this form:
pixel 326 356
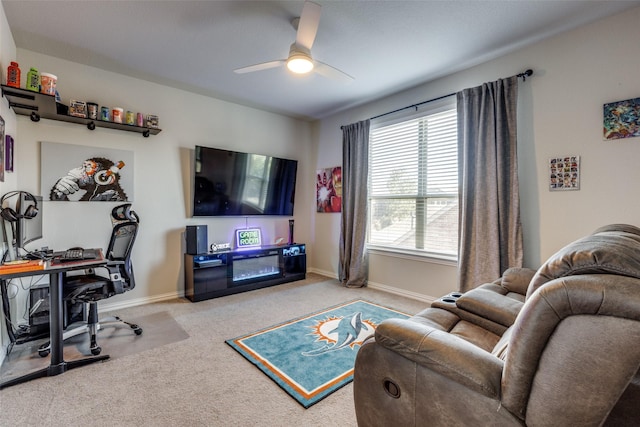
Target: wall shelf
pixel 41 106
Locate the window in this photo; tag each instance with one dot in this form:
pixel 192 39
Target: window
pixel 413 185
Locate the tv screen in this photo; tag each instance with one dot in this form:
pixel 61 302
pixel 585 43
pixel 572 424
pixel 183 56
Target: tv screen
pixel 231 183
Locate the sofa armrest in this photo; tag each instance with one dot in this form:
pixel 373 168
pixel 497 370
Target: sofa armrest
pixel 444 353
pixel 485 302
pixel 517 279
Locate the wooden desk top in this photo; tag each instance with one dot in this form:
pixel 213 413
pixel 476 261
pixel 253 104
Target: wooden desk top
pixel 33 268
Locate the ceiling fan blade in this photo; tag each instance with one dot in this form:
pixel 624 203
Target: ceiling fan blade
pixel 260 67
pixel 308 24
pixel 330 72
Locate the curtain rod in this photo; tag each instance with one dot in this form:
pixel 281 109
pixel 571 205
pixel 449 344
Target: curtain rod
pixel 524 75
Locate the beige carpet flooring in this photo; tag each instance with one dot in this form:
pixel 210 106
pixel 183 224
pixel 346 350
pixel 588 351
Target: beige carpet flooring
pixel 180 372
pixel 159 329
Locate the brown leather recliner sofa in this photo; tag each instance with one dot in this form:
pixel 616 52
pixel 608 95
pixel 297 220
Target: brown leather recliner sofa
pixel 559 346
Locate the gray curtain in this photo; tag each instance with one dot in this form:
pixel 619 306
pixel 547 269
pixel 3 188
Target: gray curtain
pixel 353 269
pixel 490 239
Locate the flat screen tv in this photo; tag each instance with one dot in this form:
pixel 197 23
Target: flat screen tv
pixel 231 183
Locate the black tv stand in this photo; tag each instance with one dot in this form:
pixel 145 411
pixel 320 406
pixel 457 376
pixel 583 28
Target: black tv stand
pixel 216 274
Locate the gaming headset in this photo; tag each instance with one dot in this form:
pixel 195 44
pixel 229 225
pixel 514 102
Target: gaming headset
pixel 11 215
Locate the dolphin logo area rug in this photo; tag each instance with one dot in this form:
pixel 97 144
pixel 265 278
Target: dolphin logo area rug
pixel 313 356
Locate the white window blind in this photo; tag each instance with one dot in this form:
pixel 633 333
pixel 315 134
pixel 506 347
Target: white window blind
pixel 413 185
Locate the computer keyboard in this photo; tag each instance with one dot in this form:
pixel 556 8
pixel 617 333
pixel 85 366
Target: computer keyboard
pixel 76 254
pixel 72 255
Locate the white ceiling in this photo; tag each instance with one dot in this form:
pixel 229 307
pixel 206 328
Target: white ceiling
pixel 388 46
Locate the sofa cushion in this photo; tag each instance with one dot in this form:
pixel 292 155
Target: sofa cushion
pixel 613 249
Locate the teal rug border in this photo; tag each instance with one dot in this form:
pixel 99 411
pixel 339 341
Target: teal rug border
pixel 301 399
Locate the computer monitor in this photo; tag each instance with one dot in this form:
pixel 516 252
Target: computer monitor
pixel 29 229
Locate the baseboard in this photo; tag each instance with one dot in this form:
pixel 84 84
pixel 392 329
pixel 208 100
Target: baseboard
pixel 329 274
pixel 381 287
pixel 106 307
pixel 402 292
pixel 174 295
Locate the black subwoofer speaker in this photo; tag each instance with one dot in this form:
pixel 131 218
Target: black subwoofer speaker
pixel 197 240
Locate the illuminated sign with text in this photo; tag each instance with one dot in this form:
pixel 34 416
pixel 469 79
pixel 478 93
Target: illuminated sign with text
pixel 248 238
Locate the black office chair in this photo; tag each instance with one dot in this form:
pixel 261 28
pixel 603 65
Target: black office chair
pixel 91 288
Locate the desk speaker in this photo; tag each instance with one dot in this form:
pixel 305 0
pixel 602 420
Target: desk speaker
pixel 197 240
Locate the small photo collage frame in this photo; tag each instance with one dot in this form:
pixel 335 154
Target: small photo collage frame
pixel 564 173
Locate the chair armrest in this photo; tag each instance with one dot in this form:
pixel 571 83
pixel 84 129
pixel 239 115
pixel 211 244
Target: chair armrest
pixel 517 279
pixel 110 266
pixel 489 304
pixel 444 353
pixel 114 274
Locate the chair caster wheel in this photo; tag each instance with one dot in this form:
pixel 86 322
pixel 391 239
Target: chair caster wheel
pixel 44 353
pixel 138 331
pixel 96 351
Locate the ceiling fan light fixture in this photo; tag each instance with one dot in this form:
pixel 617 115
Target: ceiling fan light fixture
pixel 299 60
pixel 299 64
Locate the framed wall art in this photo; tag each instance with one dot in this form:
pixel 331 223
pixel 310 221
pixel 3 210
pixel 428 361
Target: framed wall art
pixel 329 189
pixel 564 173
pixel 8 154
pixel 1 149
pixel 86 174
pixel 622 119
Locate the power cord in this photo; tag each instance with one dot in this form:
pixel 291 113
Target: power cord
pixel 44 255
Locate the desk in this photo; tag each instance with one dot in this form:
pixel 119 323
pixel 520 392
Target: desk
pixel 57 364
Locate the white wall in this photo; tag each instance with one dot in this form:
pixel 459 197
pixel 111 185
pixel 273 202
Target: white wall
pixel 560 113
pixel 7 54
pixel 162 166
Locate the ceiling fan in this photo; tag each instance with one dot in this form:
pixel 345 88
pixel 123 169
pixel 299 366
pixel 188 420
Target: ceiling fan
pixel 300 60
